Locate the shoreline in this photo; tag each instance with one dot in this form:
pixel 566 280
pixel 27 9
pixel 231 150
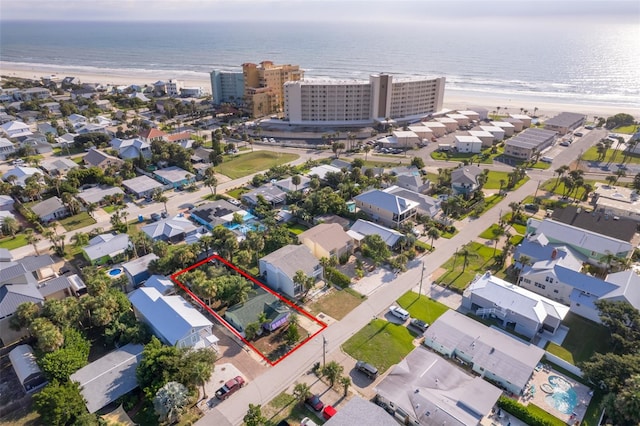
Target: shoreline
pixel 453 99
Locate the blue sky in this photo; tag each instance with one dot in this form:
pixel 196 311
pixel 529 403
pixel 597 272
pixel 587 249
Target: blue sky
pixel 314 10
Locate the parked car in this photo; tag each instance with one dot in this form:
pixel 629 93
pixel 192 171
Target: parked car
pixel 17 162
pixel 284 423
pixel 565 143
pixel 588 127
pixel 308 422
pixel 368 369
pixel 533 208
pixel 314 402
pixel 155 217
pixel 328 412
pixel 578 134
pixel 230 387
pixel 419 324
pixel 398 312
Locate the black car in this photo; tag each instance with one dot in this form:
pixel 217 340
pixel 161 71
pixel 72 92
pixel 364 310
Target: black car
pixel 419 324
pixel 155 217
pixel 533 208
pixel 368 369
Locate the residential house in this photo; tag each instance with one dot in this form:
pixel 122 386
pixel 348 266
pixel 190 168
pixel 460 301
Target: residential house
pixel 61 287
pixel 58 166
pixel 93 128
pixel 181 138
pixel 413 183
pixel 341 164
pixel 50 209
pixel 6 203
pixel 438 129
pixel 137 270
pixel 103 104
pixel 427 205
pixel 537 247
pixel 69 82
pixel 524 118
pixel 491 353
pixel 77 120
pixel 464 180
pixel 472 115
pixel 172 230
pixel 468 144
pixel 219 212
pixel 201 155
pixel 528 313
pixel 509 129
pixel 361 411
pixel 142 186
pixel 14 129
pixel 97 158
pixel 387 209
pixel 279 268
pixel 595 247
pixel 487 138
pixel 497 132
pixel 450 124
pixel 616 201
pixel 565 122
pixel 161 283
pixel 32 93
pixel 173 320
pixel 327 240
pixel 174 176
pixel 322 170
pixel 6 148
pixel 107 248
pixel 37 141
pixel 287 184
pixel 462 119
pixel 46 128
pixel 109 377
pixel 518 125
pixel 529 143
pixel 361 228
pixel 152 134
pixel 84 92
pixel 423 132
pixel 96 194
pixel 271 194
pixel 129 149
pixel 241 315
pixel 21 173
pixel 26 367
pixel 425 389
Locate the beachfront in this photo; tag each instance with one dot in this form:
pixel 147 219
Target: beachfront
pixel 454 100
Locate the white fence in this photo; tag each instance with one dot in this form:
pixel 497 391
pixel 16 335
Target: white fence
pixel 564 364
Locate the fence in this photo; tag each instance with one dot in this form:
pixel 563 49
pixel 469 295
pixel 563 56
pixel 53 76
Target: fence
pixel 564 364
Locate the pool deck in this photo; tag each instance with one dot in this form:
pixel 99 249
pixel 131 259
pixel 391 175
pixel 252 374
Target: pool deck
pixel 537 396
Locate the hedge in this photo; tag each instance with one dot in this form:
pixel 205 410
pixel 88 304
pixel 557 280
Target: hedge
pixel 526 415
pixel 337 277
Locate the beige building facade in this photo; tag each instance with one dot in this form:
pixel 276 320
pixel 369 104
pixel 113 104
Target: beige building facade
pixel 263 86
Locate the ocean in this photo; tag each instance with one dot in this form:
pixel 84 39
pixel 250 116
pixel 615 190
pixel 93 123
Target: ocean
pixel 563 61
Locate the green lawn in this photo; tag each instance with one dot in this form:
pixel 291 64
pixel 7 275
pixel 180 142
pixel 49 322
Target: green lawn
pixel 516 239
pixel 488 233
pixel 584 339
pixel 241 165
pixel 424 308
pixel 458 276
pixel 494 178
pixel 285 407
pixel 296 228
pixel 382 164
pixel 489 202
pixel 110 208
pixel 380 343
pixel 628 130
pixel 78 221
pixel 237 192
pixel 550 186
pixel 10 243
pixel 592 155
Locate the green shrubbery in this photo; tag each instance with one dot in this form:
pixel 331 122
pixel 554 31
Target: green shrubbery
pixel 337 277
pixel 526 415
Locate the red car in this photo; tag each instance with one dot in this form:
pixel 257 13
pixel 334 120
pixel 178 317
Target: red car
pixel 315 402
pixel 230 387
pixel 328 412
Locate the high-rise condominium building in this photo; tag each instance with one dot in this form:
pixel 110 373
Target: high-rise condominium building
pixel 227 87
pixel 360 102
pixel 263 86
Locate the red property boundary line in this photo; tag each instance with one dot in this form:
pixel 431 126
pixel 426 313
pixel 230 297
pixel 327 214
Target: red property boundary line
pixel 222 321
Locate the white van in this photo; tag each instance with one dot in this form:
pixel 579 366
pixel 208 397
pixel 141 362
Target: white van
pixel 546 160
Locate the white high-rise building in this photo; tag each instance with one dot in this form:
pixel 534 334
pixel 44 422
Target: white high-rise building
pixel 361 102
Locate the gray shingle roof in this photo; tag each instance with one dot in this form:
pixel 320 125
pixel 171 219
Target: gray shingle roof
pixel 364 227
pixel 139 265
pixel 107 245
pixel 466 174
pixel 12 295
pixel 360 412
pixel 290 259
pixel 386 201
pixel 47 206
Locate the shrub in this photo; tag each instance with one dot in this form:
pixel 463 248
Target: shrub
pixel 523 413
pixel 338 278
pixel 344 258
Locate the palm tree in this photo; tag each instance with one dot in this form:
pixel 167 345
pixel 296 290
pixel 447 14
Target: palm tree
pixel 497 232
pixel 202 373
pixel 212 183
pixel 91 208
pixel 366 150
pixel 10 226
pixel 535 110
pixel 560 171
pixel 345 382
pixel 434 234
pixel 332 371
pixel 32 239
pixel 524 261
pixel 301 391
pixel 170 401
pixel 159 197
pixel 295 179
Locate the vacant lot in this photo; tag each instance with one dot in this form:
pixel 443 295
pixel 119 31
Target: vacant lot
pixel 472 259
pixel 380 343
pixel 424 308
pixel 253 162
pixel 78 221
pixel 337 304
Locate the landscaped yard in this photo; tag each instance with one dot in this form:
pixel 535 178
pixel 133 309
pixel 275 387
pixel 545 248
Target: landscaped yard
pixel 494 178
pixel 296 228
pixel 460 272
pixel 10 243
pixel 337 304
pixel 592 155
pixel 78 221
pixel 584 339
pixel 110 208
pixel 628 130
pixel 380 343
pixel 550 186
pixel 285 407
pixel 424 308
pixel 241 165
pixel 237 192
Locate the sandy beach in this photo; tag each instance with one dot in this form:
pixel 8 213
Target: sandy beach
pixel 452 99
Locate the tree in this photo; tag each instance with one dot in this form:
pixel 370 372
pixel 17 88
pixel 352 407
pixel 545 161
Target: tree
pixel 159 197
pixel 366 149
pixel 60 364
pixel 433 233
pixel 374 247
pixel 254 416
pixel 345 382
pixel 25 314
pixel 251 330
pixel 32 239
pixel 560 171
pixel 10 226
pixel 60 404
pixel 332 371
pixel 197 367
pixel 623 322
pixel 624 407
pixel 301 279
pixel 609 371
pixel 169 402
pixel 158 364
pixel 337 148
pixel 301 391
pixel 295 179
pixel 417 162
pixel 292 334
pixel 49 336
pixel 212 182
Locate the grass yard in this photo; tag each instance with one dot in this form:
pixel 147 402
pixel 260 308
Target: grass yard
pixel 110 208
pixel 380 343
pixel 10 243
pixel 382 164
pixel 627 130
pixel 78 221
pixel 584 339
pixel 488 234
pixel 516 239
pixel 424 308
pixel 494 178
pixel 285 407
pixel 560 352
pixel 489 202
pixel 238 166
pixel 26 416
pixel 592 155
pixel 458 276
pixel 237 192
pixel 296 228
pixel 550 186
pixel 337 304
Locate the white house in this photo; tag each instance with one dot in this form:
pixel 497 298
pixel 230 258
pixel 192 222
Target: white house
pixel 497 132
pixel 172 319
pixel 279 268
pixel 468 143
pixel 14 129
pixel 509 129
pixel 6 148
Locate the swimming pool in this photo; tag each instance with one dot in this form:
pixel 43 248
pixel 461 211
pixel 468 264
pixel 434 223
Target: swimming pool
pixel 114 272
pixel 563 398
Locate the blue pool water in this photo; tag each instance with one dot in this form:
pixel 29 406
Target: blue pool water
pixel 114 272
pixel 563 398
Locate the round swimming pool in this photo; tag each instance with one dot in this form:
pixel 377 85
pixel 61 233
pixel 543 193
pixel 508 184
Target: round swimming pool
pixel 563 398
pixel 114 272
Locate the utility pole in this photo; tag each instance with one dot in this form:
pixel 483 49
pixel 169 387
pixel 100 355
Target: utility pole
pixel 324 351
pixel 421 278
